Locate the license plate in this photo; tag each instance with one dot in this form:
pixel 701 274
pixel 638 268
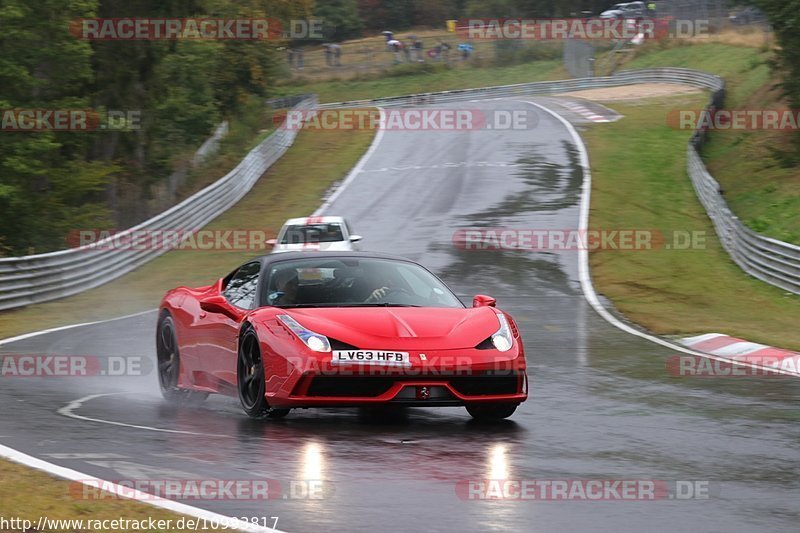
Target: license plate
pixel 370 357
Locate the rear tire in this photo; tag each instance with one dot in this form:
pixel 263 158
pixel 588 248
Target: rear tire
pixel 491 411
pixel 168 359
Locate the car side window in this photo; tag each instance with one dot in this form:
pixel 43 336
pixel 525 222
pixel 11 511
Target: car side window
pixel 241 289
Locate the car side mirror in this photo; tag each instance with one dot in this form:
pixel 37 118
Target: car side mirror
pixel 481 300
pixel 355 238
pixel 219 305
pixel 272 242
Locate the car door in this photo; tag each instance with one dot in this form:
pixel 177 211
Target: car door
pixel 220 331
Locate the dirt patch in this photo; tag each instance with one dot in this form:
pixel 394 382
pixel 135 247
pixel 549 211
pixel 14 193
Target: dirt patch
pixel 634 92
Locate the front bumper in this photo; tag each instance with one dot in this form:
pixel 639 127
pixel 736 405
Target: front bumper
pixel 428 387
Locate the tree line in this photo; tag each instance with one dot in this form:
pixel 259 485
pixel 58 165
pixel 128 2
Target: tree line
pixel 53 182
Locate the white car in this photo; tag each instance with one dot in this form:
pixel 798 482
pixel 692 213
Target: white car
pixel 315 234
pixel 627 10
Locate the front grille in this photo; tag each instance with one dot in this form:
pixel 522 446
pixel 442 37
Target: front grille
pixel 485 385
pixel 366 387
pixel 372 386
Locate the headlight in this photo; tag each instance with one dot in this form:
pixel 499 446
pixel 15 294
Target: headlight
pixel 315 341
pixel 503 339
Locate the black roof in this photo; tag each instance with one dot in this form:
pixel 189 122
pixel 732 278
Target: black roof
pixel 288 256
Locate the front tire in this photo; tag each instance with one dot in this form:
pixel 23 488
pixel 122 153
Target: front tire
pixel 490 412
pixel 251 379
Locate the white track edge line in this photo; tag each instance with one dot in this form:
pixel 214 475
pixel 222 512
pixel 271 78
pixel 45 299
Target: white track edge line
pixel 68 411
pixel 355 171
pixel 126 493
pixel 583 264
pixel 71 326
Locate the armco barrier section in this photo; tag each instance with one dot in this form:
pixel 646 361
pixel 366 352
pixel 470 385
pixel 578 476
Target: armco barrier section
pixel 769 260
pixel 43 277
pixel 628 77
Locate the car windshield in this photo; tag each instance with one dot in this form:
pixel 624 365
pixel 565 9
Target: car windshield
pixel 312 233
pixel 354 282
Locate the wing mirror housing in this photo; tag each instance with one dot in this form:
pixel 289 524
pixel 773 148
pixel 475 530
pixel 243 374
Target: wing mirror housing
pixel 272 242
pixel 355 238
pixel 481 300
pixel 219 305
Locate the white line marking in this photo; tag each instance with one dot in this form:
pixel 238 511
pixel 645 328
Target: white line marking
pixel 85 456
pixel 68 411
pixel 355 170
pixel 583 265
pixel 127 493
pixel 71 326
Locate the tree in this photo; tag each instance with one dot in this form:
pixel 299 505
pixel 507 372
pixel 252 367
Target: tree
pixel 784 15
pixel 340 19
pixel 46 184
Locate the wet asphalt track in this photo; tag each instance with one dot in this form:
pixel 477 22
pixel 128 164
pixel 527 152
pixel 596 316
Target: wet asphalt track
pixel 601 405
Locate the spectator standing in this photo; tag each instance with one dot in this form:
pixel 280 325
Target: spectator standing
pixel 418 50
pixel 328 56
pixel 336 54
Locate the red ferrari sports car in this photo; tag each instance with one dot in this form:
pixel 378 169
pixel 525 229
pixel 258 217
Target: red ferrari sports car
pixel 326 329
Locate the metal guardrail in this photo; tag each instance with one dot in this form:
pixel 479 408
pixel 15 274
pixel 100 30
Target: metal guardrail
pixel 769 260
pixel 628 77
pixel 43 277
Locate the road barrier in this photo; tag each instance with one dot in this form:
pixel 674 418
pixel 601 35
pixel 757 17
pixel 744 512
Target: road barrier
pixel 43 277
pixel 39 278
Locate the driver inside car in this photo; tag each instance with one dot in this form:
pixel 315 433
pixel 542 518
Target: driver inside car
pixel 384 284
pixel 284 286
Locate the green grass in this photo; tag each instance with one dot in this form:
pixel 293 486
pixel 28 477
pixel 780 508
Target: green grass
pixel 760 189
pixel 29 494
pixel 744 68
pixel 430 78
pixel 643 184
pixel 292 187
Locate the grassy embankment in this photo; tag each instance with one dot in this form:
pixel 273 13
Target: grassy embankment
pixel 640 181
